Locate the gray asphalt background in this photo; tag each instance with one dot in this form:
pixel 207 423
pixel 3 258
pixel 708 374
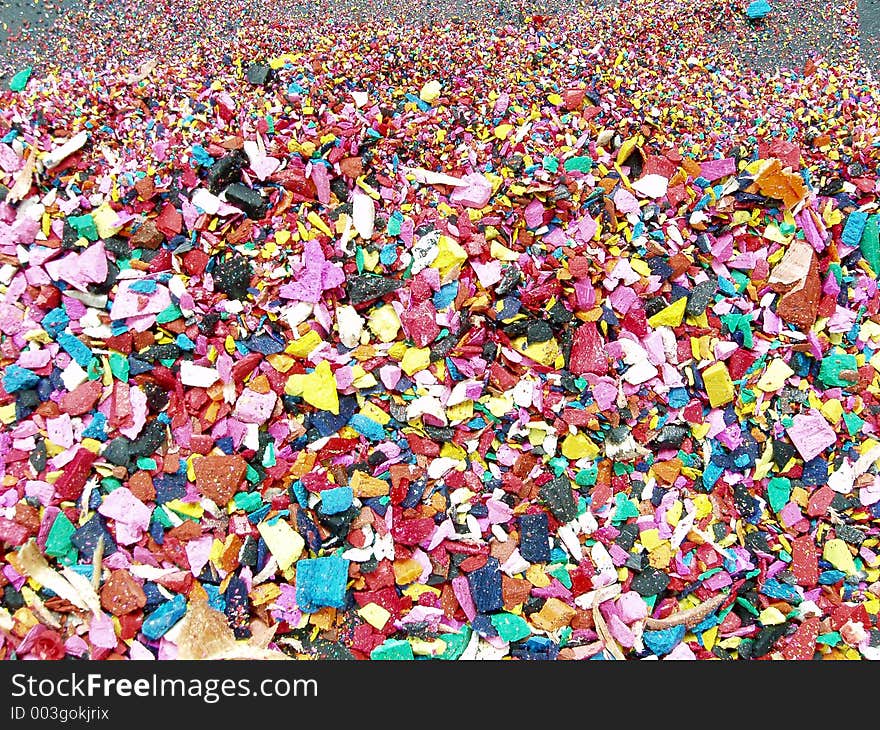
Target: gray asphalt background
pixel 869 32
pixel 795 31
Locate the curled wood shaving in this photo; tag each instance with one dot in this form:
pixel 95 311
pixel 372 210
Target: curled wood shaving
pixel 605 634
pixel 690 618
pixel 428 177
pixel 42 612
pixel 865 461
pixel 84 586
pixel 707 538
pixel 59 154
pixel 68 585
pixel 23 180
pixel 145 70
pixel 262 634
pixel 205 634
pixel 598 596
pixel 7 623
pixel 98 563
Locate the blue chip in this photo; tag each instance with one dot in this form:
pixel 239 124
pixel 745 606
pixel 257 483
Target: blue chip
pixel 74 347
pixel 159 623
pixel 388 254
pixel 534 539
pixel 367 427
pixel 446 295
pixel 773 588
pixel 678 397
pixel 95 429
pixel 831 577
pixel 169 487
pixel 18 378
pixel 321 582
pixel 334 501
pixel 485 585
pixel 665 640
pixel 143 286
pixel 854 227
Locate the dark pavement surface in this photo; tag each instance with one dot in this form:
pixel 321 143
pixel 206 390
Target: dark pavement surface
pixel 869 32
pixel 795 31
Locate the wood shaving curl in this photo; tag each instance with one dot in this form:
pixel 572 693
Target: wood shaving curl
pixel 690 618
pixel 68 584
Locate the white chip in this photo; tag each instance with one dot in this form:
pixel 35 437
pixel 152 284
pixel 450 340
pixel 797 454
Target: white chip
pixel 197 376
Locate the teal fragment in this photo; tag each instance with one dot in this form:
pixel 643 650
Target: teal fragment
pixel 252 475
pixel 395 223
pixel 578 164
pixel 19 81
pixel 456 643
pixel 393 650
pixel 779 492
pixel 870 244
pixel 511 627
pixel 830 639
pixel 561 574
pixel 161 516
pixel 587 477
pixel 169 314
pixel 85 226
pixel 854 424
pixel 746 329
pixel 624 508
pixel 119 366
pixel 248 501
pixel 110 484
pixel 269 459
pixel 833 365
pixel 95 369
pixel 58 541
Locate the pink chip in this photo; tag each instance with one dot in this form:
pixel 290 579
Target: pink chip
pixel 625 201
pixel 811 434
pixel 715 169
pixel 620 631
pixel 463 594
pixel 476 194
pixel 253 407
pixel 631 607
pixel 101 631
pixel 534 214
pixel 80 270
pixel 128 303
pixel 122 506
